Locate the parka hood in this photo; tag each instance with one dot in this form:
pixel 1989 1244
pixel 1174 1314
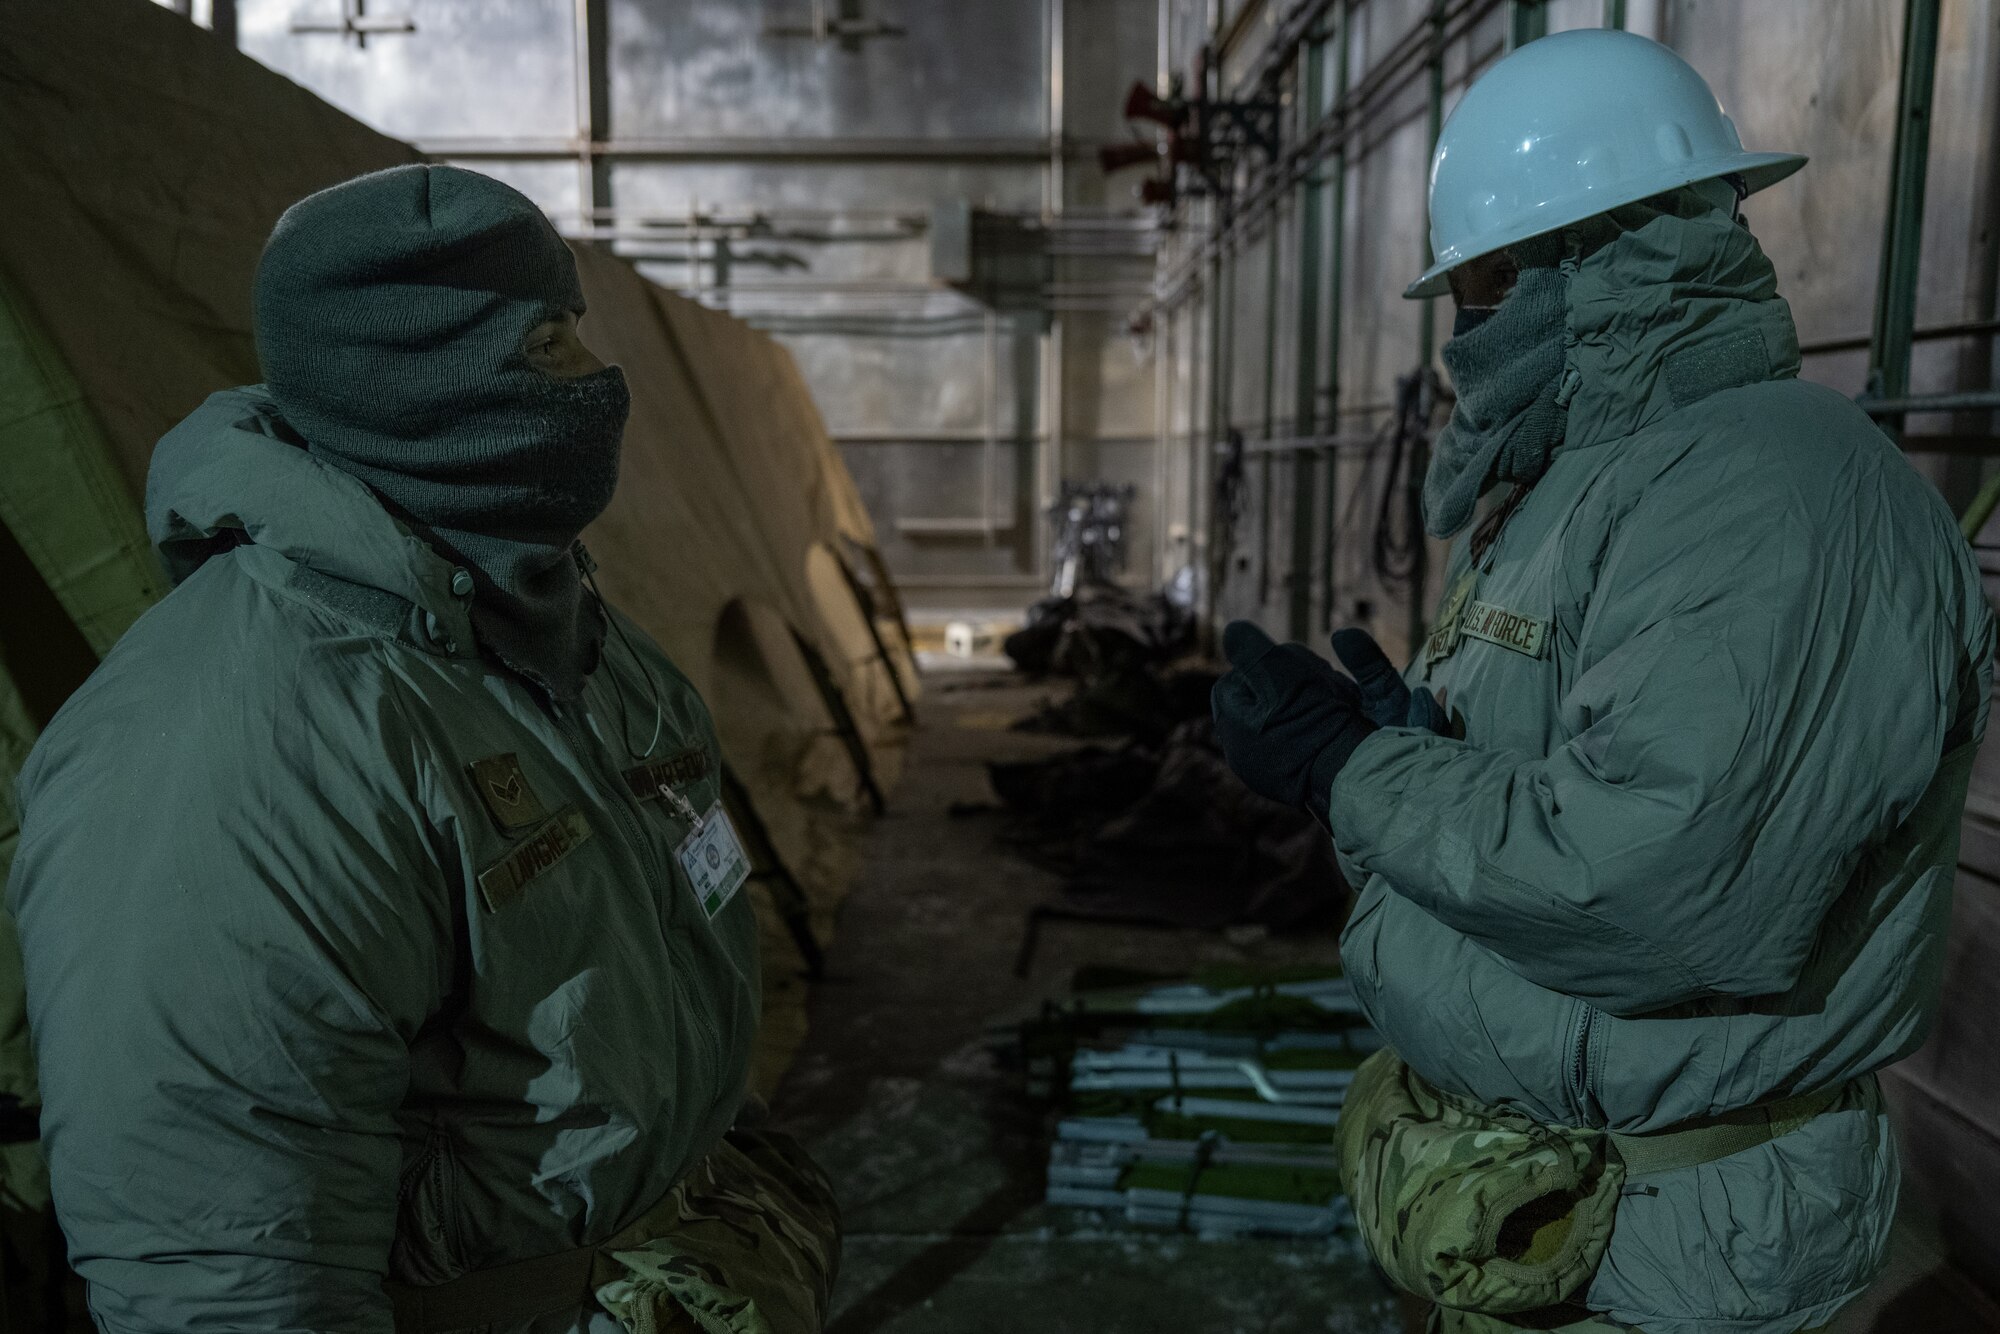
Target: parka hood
pixel 233 472
pixel 1666 308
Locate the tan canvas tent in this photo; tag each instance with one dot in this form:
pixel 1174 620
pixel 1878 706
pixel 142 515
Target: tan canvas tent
pixel 142 164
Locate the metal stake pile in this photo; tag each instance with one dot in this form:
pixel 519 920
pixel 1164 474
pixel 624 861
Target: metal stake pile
pixel 1206 1106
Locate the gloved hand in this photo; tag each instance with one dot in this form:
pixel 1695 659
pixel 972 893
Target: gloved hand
pixel 1286 720
pixel 1386 700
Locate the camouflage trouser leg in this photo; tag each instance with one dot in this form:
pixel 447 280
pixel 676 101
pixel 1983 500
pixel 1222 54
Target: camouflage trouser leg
pixel 748 1244
pixel 1568 1320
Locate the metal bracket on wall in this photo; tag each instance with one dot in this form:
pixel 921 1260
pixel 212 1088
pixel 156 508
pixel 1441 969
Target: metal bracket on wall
pixel 848 27
pixel 356 22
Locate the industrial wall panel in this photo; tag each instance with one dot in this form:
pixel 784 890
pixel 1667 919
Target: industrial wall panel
pixel 1823 228
pixel 1951 1176
pixel 917 378
pixel 557 184
pixel 737 70
pixel 466 68
pixel 910 486
pixel 1108 382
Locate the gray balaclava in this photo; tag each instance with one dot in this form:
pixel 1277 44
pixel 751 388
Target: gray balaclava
pixel 392 312
pixel 1506 366
pixel 1508 363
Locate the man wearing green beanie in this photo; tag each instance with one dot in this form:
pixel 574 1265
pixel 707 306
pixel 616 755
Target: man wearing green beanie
pixel 384 953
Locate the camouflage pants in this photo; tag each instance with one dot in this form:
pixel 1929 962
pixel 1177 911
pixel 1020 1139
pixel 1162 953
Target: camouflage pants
pixel 748 1243
pixel 1555 1320
pixel 1565 1320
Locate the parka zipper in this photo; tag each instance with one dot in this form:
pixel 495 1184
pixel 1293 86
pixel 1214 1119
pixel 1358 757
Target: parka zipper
pixel 622 802
pixel 1578 1074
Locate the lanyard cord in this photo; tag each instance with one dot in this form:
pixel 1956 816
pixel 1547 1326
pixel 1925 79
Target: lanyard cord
pixel 588 568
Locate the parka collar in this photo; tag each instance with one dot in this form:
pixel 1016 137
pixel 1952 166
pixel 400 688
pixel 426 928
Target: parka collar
pixel 233 472
pixel 1665 309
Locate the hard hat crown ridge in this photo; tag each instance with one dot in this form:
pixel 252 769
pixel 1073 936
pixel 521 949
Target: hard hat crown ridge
pixel 1570 126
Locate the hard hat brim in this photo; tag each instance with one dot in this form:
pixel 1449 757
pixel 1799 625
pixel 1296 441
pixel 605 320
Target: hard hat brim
pixel 1758 170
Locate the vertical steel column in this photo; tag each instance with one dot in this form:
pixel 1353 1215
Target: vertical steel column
pixel 1902 232
pixel 1165 352
pixel 1269 428
pixel 1305 402
pixel 593 120
pixel 1163 410
pixel 1419 460
pixel 1526 20
pixel 1336 271
pixel 1201 435
pixel 1220 332
pixel 1052 460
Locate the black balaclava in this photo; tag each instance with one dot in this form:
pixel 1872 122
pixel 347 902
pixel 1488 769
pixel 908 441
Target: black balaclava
pixel 392 313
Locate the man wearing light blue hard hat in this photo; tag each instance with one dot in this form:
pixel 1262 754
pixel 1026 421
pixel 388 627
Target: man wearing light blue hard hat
pixel 1643 915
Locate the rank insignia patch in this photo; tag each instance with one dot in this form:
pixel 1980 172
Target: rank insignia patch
pixel 504 790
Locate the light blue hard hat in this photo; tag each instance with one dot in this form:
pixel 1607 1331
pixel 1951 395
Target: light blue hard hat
pixel 1568 127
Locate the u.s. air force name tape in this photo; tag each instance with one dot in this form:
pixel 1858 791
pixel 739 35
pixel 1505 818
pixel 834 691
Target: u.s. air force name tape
pixel 1508 629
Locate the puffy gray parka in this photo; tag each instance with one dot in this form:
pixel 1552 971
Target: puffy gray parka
pixel 347 957
pixel 1721 676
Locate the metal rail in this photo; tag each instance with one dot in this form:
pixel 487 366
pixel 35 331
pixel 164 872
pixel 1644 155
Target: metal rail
pixel 1305 391
pixel 1902 235
pixel 1028 152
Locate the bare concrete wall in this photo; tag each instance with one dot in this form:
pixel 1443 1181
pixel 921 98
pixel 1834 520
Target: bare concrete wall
pixel 789 178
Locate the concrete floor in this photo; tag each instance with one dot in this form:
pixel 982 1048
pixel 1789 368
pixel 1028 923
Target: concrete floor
pixel 936 1152
pixel 938 1155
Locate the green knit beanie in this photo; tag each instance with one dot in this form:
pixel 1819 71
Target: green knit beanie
pixel 393 304
pixel 392 317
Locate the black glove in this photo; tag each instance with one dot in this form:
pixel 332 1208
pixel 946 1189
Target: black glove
pixel 1386 699
pixel 1286 720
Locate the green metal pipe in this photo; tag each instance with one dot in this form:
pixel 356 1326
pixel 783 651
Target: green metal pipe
pixel 1902 232
pixel 1336 259
pixel 1427 338
pixel 1266 468
pixel 1526 20
pixel 1298 577
pixel 1614 13
pixel 1981 508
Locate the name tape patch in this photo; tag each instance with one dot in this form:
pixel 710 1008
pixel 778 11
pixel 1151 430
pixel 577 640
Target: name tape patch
pixel 646 780
pixel 1508 629
pixel 506 880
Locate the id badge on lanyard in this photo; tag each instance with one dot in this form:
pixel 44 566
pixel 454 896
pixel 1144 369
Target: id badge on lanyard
pixel 711 854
